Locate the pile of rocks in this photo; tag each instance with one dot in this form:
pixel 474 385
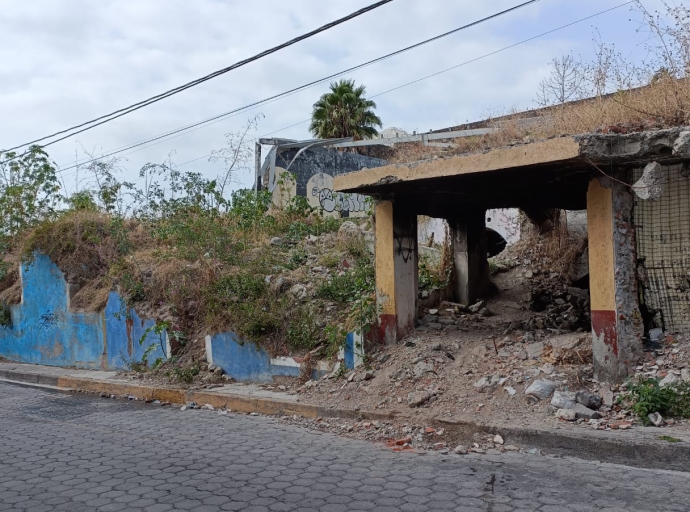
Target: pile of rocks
pixel 451 316
pixel 560 307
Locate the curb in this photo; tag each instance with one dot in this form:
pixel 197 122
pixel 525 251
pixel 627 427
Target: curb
pixel 237 403
pixel 648 453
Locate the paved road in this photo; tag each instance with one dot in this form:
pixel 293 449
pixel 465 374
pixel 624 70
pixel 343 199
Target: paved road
pixel 80 453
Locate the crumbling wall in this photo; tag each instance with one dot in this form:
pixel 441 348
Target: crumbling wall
pixel 663 247
pixel 314 170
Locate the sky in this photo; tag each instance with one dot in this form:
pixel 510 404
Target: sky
pixel 66 62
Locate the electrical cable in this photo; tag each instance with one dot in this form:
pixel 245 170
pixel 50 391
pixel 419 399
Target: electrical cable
pixel 136 106
pixel 310 84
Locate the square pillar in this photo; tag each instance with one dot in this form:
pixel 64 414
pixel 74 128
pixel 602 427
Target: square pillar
pixel 470 264
pixel 396 271
pixel 617 325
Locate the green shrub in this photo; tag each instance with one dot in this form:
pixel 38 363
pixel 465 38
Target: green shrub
pixel 302 331
pixel 647 397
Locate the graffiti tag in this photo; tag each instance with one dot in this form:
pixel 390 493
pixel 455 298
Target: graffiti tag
pixel 337 201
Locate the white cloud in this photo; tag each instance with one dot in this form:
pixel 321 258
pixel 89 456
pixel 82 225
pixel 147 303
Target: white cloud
pixel 66 62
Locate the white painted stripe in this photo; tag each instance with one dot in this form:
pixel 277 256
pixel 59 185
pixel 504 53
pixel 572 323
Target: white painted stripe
pixel 209 350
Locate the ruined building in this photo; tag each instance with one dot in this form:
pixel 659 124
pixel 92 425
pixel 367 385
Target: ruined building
pixel 635 188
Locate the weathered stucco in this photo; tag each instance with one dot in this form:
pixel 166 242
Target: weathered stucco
pixel 550 151
pixel 616 321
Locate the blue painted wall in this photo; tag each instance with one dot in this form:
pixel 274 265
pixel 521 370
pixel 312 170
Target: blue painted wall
pixel 245 362
pixel 124 329
pixel 44 331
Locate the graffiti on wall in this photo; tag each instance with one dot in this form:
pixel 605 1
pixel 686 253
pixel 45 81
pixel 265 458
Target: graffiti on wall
pixel 320 194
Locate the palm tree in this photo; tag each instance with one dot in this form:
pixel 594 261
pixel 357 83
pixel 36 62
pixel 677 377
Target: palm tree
pixel 344 112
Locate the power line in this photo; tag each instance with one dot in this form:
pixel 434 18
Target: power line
pixel 419 79
pixel 311 84
pixel 473 60
pixel 136 106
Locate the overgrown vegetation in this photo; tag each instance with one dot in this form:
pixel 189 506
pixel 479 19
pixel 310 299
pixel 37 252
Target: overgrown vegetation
pixel 184 251
pixel 646 397
pixel 612 93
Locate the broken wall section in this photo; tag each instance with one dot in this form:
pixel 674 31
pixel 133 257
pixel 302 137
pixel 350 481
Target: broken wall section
pixel 663 250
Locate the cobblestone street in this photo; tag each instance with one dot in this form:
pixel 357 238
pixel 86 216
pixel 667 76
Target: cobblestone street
pixel 81 453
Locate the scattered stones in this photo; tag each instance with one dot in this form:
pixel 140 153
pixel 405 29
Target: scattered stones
pixel 547 368
pixel 486 384
pixel 535 350
pixel 299 291
pixel 276 241
pixel 685 375
pixel 436 346
pixel 656 334
pixel 584 412
pixel 498 439
pixel 607 395
pixel 588 399
pixel 669 380
pixel 656 419
pixel 541 389
pixel 563 400
pixel 460 450
pixel 417 398
pixel 349 229
pixel 566 414
pixel 367 375
pixel 476 308
pixel 422 368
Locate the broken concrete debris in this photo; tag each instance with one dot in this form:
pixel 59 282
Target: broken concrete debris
pixel 588 399
pixel 541 389
pixel 418 398
pixel 566 414
pixel 563 400
pixel 650 186
pixel 656 419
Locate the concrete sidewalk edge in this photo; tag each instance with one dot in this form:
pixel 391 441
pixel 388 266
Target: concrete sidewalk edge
pixel 648 453
pixel 653 454
pixel 235 402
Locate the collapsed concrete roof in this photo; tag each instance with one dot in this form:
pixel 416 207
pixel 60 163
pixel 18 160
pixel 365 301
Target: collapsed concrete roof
pixel 552 173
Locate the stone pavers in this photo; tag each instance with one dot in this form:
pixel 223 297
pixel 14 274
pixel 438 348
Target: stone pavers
pixel 80 453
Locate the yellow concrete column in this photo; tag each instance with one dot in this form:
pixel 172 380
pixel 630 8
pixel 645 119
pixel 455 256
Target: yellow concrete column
pixel 615 327
pixel 385 271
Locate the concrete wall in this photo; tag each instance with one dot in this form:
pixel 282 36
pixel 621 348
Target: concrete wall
pixel 314 170
pixel 245 362
pixel 45 331
pixel 616 320
pixel 662 227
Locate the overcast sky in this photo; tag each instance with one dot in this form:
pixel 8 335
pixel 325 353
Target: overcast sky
pixel 64 62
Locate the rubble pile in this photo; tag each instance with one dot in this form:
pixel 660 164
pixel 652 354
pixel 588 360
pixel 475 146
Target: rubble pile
pixel 532 378
pixel 558 306
pixel 451 316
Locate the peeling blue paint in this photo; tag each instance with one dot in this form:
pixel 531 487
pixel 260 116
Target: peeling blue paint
pixel 45 331
pixel 124 329
pixel 244 361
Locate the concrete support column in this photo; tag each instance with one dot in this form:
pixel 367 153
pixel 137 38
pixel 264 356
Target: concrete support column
pixel 396 271
pixel 617 325
pixel 471 267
